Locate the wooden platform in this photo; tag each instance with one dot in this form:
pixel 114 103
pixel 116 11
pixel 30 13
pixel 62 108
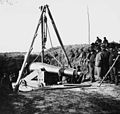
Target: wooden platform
pixel 54 87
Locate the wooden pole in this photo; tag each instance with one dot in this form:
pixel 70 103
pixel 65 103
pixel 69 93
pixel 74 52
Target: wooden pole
pixel 109 70
pixel 27 54
pixel 42 36
pixel 57 33
pixel 88 25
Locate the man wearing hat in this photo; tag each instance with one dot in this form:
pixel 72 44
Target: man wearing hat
pixel 99 62
pixel 98 41
pixel 92 64
pixel 105 59
pixel 114 70
pixel 105 41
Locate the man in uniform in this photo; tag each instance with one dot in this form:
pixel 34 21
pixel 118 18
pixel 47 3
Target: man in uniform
pixel 105 42
pixel 99 63
pixel 114 70
pixel 82 56
pixel 92 64
pixel 98 41
pixel 105 59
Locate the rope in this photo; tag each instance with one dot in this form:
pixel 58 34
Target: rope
pixel 48 52
pixel 52 45
pixel 49 36
pixel 55 59
pixel 36 57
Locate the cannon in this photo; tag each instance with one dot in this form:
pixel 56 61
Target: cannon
pixel 41 73
pixel 52 69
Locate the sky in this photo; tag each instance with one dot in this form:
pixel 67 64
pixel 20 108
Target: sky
pixel 19 19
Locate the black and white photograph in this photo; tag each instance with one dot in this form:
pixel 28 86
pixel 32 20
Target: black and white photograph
pixel 59 57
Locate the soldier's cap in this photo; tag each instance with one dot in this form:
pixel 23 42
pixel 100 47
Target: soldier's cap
pixel 103 46
pixel 91 48
pixel 82 49
pixel 98 48
pixel 111 45
pixel 78 66
pixel 104 37
pixel 92 44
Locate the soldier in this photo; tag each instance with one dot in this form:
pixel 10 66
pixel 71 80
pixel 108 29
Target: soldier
pixel 98 41
pixel 88 53
pixel 98 63
pixel 92 64
pixel 114 70
pixel 78 75
pixel 105 60
pixel 105 42
pixel 6 83
pixel 82 56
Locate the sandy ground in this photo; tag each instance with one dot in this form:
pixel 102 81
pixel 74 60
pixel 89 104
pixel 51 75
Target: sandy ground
pixel 72 100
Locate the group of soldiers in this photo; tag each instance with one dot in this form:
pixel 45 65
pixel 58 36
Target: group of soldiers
pixel 99 59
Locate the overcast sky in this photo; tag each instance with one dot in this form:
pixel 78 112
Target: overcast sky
pixel 19 18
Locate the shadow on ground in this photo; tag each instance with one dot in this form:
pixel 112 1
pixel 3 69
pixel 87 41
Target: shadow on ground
pixel 58 102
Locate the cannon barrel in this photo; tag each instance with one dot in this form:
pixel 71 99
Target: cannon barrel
pixel 52 69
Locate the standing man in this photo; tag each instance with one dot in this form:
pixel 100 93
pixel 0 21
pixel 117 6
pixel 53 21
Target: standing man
pixel 99 63
pixel 105 41
pixel 114 70
pixel 105 60
pixel 92 65
pixel 82 56
pixel 98 41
